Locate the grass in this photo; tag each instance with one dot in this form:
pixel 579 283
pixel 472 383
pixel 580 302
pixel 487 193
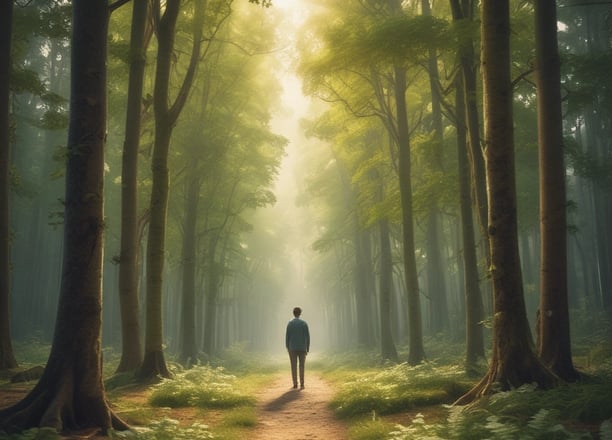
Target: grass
pixel 201 386
pixel 399 388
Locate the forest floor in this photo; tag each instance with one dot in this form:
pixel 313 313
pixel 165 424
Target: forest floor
pixel 281 412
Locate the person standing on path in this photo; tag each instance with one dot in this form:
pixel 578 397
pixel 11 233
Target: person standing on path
pixel 297 341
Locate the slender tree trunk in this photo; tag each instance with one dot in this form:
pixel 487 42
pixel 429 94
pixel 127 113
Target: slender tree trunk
pixel 70 395
pixel 554 326
pixel 513 362
pixel 439 319
pixel 154 363
pixel 473 297
pixel 7 357
pixel 212 294
pixel 416 350
pixel 464 10
pixel 388 350
pixel 131 353
pixel 188 349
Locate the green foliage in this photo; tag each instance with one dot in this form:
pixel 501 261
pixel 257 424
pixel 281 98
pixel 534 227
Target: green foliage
pixel 166 429
pixel 241 417
pixel 201 386
pixel 239 361
pixel 374 429
pixel 567 412
pixel 399 388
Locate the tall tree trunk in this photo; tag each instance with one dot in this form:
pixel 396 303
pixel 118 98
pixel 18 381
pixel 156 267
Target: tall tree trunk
pixel 416 350
pixel 387 346
pixel 154 363
pixel 464 10
pixel 70 395
pixel 473 297
pixel 188 348
pixel 439 319
pixel 554 345
pixel 7 357
pixel 513 362
pixel 131 353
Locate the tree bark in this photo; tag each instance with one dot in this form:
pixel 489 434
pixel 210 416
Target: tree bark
pixel 463 10
pixel 473 297
pixel 387 346
pixel 7 356
pixel 439 319
pixel 154 363
pixel 131 353
pixel 188 348
pixel 416 350
pixel 513 362
pixel 554 345
pixel 70 395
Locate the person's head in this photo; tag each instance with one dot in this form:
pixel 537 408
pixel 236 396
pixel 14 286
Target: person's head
pixel 297 312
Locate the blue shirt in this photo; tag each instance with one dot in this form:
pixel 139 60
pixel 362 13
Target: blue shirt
pixel 297 337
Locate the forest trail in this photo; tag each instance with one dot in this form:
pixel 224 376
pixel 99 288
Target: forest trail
pixel 284 413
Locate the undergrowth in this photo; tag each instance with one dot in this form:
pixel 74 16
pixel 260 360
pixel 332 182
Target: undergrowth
pixel 399 388
pixel 200 386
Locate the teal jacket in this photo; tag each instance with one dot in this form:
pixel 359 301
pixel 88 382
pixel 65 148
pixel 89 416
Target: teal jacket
pixel 297 337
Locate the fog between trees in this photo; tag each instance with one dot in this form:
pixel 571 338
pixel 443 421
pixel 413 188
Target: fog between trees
pixel 300 199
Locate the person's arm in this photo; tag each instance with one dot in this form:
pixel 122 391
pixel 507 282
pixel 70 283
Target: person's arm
pixel 287 338
pixel 307 339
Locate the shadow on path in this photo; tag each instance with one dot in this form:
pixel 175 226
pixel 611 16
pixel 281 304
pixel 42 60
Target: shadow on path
pixel 280 402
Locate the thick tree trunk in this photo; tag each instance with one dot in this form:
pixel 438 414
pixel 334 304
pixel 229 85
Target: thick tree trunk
pixel 70 395
pixel 387 346
pixel 7 357
pixel 473 297
pixel 513 362
pixel 554 327
pixel 131 353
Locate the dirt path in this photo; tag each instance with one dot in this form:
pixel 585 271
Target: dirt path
pixel 288 414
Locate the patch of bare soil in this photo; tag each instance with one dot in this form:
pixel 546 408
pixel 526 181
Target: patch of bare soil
pixel 285 413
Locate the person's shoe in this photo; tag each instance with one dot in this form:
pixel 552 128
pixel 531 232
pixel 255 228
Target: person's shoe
pixel 294 386
pixel 302 387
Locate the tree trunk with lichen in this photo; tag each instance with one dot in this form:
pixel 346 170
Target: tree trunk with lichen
pixel 514 361
pixel 70 395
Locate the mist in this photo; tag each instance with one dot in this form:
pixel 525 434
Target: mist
pixel 343 157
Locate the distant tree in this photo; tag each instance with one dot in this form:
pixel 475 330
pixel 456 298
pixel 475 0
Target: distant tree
pixel 514 361
pixel 554 345
pixel 7 357
pixel 70 395
pixel 131 352
pixel 388 350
